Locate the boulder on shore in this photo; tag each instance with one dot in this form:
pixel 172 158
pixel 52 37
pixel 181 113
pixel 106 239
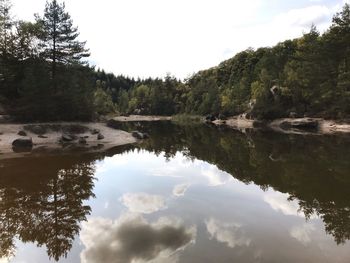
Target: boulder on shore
pixel 36 129
pixel 22 133
pixel 100 136
pixel 26 143
pixel 68 138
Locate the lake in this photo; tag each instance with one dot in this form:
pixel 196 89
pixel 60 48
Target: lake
pixel 187 194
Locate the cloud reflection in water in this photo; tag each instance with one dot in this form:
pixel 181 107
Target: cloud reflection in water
pixel 143 203
pixel 231 234
pixel 131 238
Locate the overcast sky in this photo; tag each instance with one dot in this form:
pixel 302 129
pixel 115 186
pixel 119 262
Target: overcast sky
pixel 154 37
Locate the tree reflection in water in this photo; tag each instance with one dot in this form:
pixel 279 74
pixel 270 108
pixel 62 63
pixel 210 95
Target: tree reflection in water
pixel 42 202
pixel 314 170
pixel 42 198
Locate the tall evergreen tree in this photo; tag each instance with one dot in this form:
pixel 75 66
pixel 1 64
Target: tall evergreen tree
pixel 59 39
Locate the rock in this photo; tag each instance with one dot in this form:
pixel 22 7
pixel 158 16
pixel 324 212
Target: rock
pixel 42 137
pixel 100 136
pixel 95 131
pixel 301 123
pixel 140 135
pixel 37 129
pixel 26 143
pixel 68 138
pixel 22 133
pixel 82 140
pixel 113 124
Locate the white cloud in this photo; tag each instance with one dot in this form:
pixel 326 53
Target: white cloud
pixel 151 38
pixel 280 202
pixel 179 190
pixel 231 234
pixel 215 176
pixel 304 17
pixel 302 233
pixel 143 203
pixel 169 171
pixel 111 162
pixel 131 238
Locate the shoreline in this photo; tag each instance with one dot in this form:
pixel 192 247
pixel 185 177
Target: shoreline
pixel 47 137
pixel 289 125
pixel 282 125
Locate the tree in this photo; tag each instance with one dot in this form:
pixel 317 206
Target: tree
pixel 59 39
pixel 103 100
pixel 6 24
pixel 7 74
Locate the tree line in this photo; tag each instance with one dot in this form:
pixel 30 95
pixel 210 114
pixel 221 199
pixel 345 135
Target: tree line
pixel 308 76
pixel 44 75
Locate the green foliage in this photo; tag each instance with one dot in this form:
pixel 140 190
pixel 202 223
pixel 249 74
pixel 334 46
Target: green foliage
pixel 103 101
pixel 42 70
pixel 305 76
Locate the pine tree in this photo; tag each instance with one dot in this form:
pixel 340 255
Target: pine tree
pixel 59 39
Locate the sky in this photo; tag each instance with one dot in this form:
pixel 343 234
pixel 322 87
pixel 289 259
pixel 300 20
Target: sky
pixel 152 38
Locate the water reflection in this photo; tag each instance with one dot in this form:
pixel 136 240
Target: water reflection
pixel 143 203
pixel 232 234
pixel 179 197
pixel 131 238
pixel 43 204
pixel 313 170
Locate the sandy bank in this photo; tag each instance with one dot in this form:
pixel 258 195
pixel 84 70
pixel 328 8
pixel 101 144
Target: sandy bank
pixel 135 118
pixel 49 135
pixel 286 125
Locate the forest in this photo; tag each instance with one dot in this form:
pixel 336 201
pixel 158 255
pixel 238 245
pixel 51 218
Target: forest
pixel 45 76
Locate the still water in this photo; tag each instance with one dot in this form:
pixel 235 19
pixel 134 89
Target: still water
pixel 188 194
